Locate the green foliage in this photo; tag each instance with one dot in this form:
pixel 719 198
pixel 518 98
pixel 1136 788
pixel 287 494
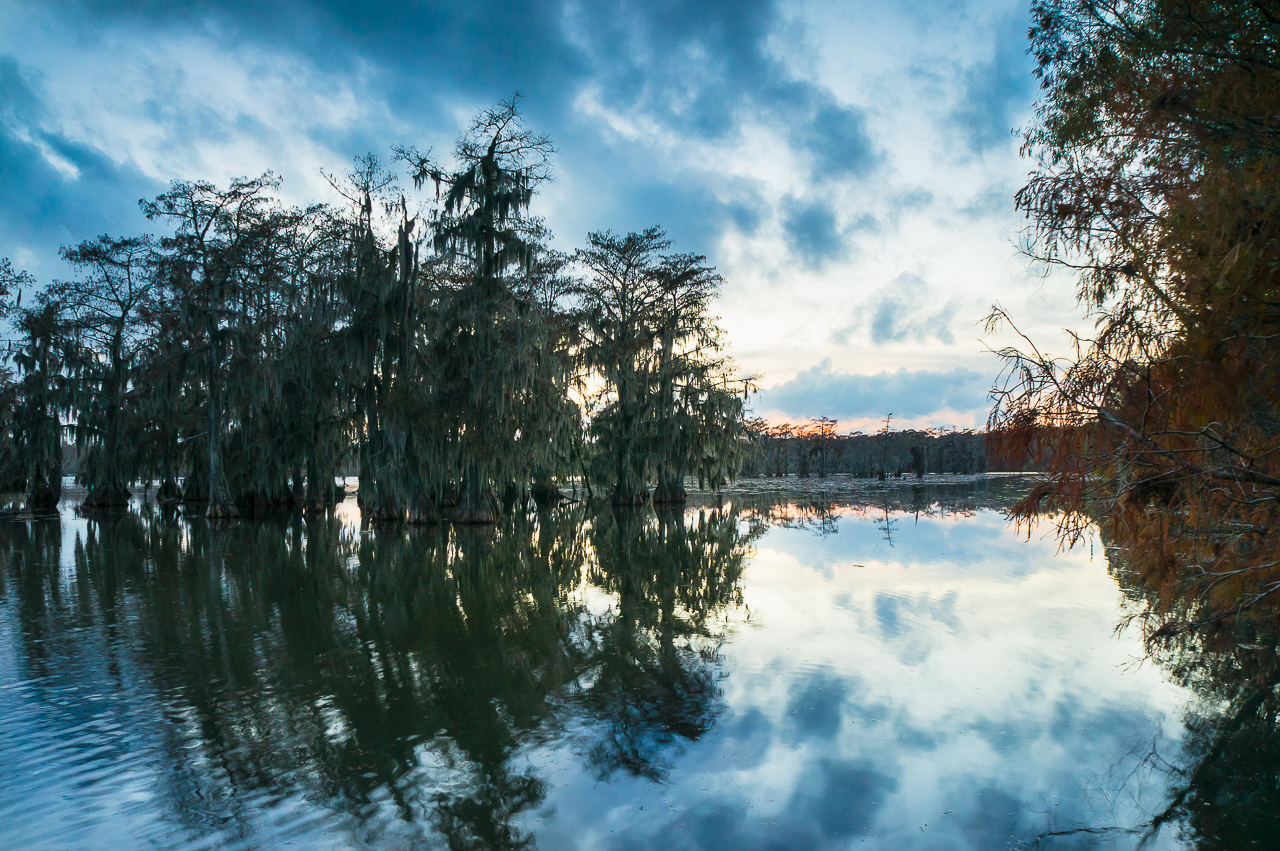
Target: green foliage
pixel 436 344
pixel 668 403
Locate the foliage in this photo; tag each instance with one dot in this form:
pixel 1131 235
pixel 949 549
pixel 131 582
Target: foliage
pixel 668 403
pixel 1156 184
pixel 437 345
pixel 816 448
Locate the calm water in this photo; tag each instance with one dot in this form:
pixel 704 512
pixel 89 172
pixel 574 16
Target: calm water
pixel 857 669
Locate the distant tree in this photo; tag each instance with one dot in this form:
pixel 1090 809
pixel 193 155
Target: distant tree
pixel 44 398
pixel 819 437
pixel 105 310
pixel 883 434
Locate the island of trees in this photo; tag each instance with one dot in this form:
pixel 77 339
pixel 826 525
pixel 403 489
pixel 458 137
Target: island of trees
pixel 428 337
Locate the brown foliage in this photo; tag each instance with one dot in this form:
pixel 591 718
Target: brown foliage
pixel 1158 145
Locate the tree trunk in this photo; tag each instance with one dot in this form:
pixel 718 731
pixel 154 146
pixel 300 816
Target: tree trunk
pixel 168 491
pixel 544 492
pixel 629 489
pixel 194 487
pixel 105 496
pixel 220 505
pixel 670 489
pixel 44 496
pixel 476 504
pixel 422 510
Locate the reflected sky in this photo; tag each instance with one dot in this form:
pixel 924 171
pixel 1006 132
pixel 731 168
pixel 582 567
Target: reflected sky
pixel 578 680
pixel 961 688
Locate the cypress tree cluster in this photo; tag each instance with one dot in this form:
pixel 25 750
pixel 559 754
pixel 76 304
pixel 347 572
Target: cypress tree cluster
pixel 254 351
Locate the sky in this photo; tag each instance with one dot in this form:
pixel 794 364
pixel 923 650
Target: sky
pixel 849 167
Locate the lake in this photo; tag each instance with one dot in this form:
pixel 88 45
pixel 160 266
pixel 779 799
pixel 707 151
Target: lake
pixel 836 664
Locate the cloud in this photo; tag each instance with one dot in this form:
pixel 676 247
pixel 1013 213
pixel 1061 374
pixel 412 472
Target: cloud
pixel 902 312
pixel 898 315
pixel 813 233
pixel 694 75
pixel 842 796
pixel 819 391
pixel 789 142
pixel 816 711
pixel 994 92
pixel 54 191
pixel 836 137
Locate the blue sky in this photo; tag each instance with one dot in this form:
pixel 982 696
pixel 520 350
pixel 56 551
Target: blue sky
pixel 848 166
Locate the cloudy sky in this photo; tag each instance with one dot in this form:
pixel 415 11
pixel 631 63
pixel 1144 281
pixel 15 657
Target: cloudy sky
pixel 848 166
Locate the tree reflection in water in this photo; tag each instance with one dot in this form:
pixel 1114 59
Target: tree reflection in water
pixel 1226 788
pixel 655 659
pixel 298 677
pixel 390 678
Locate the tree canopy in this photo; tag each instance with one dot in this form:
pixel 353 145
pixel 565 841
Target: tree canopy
pixel 1155 184
pixel 424 334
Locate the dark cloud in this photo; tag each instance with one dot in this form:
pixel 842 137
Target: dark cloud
pixel 837 138
pixel 994 91
pixel 745 217
pixel 746 738
pixel 54 191
pixel 812 232
pixel 887 614
pixel 698 68
pixel 834 799
pixel 821 392
pixel 816 710
pixel 842 796
pixel 486 46
pixel 994 819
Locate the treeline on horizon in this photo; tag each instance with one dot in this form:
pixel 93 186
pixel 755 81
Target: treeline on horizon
pixel 429 338
pixel 816 449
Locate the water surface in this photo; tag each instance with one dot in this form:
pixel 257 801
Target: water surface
pixel 854 668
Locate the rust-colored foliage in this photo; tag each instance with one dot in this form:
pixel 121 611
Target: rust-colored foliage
pixel 1158 145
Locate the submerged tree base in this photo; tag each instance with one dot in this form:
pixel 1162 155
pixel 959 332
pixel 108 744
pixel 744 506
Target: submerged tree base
pixel 43 498
pixel 545 494
pixel 670 493
pixel 638 496
pixel 106 496
pixel 169 491
pixel 422 512
pixel 477 511
pixel 221 511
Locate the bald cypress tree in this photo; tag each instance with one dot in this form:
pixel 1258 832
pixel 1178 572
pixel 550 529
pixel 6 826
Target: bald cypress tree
pixel 670 403
pixel 12 475
pixel 105 310
pixel 491 345
pixel 620 300
pixel 212 253
pixel 43 391
pixel 440 343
